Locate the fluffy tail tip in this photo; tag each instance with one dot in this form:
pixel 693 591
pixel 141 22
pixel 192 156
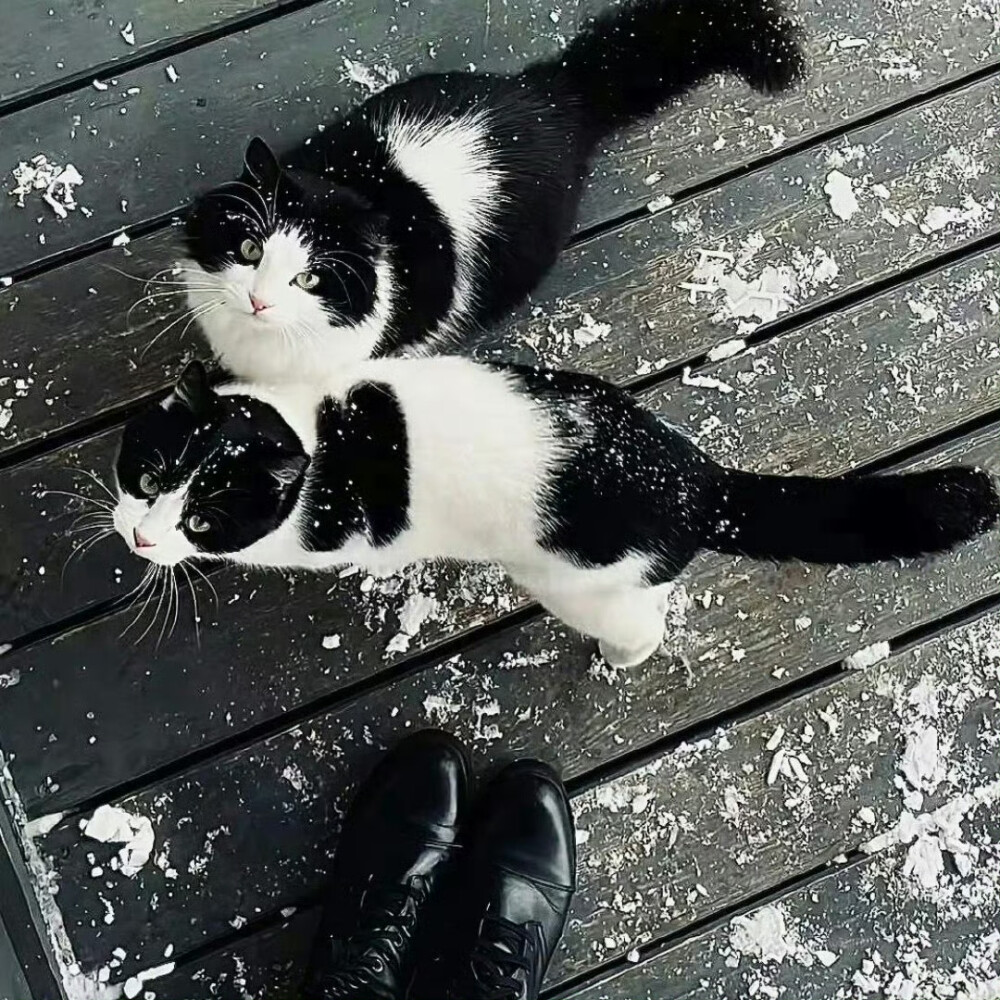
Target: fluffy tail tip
pixel 773 59
pixel 963 504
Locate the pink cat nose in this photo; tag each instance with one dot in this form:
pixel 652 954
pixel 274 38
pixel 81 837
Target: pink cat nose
pixel 259 305
pixel 141 542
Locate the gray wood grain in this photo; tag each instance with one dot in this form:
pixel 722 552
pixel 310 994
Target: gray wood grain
pixel 43 45
pixel 177 138
pixel 847 915
pixel 672 841
pixel 778 222
pixel 776 419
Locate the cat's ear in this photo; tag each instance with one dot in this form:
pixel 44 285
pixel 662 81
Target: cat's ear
pixel 261 163
pixel 287 469
pixel 193 389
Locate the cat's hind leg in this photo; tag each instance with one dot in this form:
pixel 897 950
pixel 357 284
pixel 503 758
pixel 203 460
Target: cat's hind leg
pixel 627 621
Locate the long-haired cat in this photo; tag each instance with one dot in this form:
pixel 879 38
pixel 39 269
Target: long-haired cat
pixel 591 502
pixel 437 205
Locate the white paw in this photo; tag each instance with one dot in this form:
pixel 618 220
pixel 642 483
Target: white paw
pixel 618 656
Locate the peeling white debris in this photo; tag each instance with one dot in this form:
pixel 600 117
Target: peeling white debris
pixel 172 74
pixel 727 349
pixel 839 189
pixel 371 78
pixel 6 281
pixel 121 240
pixel 590 331
pixel 10 680
pixel 112 825
pixel 44 825
pixel 128 34
pixel 932 834
pixel 802 623
pixel 134 985
pixel 331 641
pixel 971 214
pixel 763 935
pixel 416 609
pixel 659 204
pixel 56 183
pixel 705 382
pixel 921 763
pixel 863 658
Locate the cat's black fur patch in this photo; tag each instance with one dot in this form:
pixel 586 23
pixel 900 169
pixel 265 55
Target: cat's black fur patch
pixel 541 128
pixel 630 483
pixel 360 481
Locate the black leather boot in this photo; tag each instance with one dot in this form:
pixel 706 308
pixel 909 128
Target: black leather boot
pixel 517 880
pixel 398 838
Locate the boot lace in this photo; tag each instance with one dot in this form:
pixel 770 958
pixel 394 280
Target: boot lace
pixel 504 951
pixel 378 947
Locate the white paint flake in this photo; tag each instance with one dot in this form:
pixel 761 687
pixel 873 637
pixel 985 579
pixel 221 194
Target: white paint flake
pixel 863 658
pixel 134 985
pixel 128 34
pixel 121 240
pixel 54 182
pixel 331 641
pixel 839 189
pixel 704 382
pixel 112 825
pixel 371 78
pixel 416 610
pixel 970 214
pixel 590 331
pixel 172 74
pixel 764 935
pixel 727 349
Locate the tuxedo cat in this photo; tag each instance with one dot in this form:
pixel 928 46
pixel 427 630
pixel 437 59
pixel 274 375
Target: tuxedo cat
pixel 439 204
pixel 589 501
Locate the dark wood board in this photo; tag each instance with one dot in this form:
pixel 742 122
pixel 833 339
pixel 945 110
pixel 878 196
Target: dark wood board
pixel 662 847
pixel 178 137
pixel 43 46
pixel 845 915
pixel 774 420
pixel 629 279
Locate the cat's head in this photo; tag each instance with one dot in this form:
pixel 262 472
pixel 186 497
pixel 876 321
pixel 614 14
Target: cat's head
pixel 286 261
pixel 205 473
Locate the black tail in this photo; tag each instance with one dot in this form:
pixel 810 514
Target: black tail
pixel 636 57
pixel 852 520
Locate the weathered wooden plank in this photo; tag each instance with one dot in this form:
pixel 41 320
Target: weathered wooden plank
pixel 840 372
pixel 153 143
pixel 668 843
pixel 43 45
pixel 783 233
pixel 12 983
pixel 266 966
pixel 174 137
pixel 62 327
pixel 842 918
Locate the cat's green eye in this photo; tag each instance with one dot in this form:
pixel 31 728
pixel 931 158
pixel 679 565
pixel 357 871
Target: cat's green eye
pixel 197 524
pixel 306 280
pixel 251 251
pixel 149 484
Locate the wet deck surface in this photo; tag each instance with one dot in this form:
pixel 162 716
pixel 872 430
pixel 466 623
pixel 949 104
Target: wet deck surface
pixel 799 799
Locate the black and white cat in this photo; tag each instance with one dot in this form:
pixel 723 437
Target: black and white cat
pixel 588 500
pixel 439 204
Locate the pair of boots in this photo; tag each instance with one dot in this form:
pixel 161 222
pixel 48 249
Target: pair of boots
pixel 434 899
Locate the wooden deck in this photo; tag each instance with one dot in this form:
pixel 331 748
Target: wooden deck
pixel 724 794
